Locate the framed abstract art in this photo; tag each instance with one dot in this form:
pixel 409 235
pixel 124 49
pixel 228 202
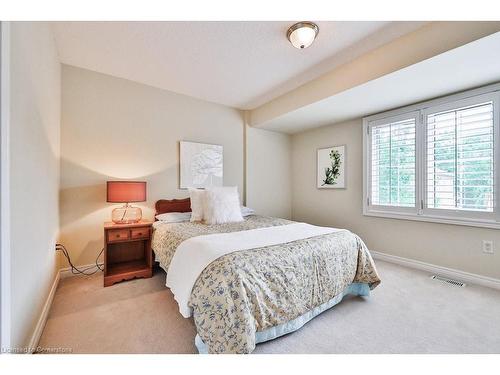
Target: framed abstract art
pixel 201 165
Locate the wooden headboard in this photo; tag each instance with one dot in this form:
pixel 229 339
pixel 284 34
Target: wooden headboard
pixel 174 205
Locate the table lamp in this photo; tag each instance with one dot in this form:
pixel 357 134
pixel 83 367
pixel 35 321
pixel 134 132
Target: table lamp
pixel 126 192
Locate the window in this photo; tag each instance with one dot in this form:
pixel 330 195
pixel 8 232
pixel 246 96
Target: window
pixel 393 164
pixel 435 161
pixel 460 159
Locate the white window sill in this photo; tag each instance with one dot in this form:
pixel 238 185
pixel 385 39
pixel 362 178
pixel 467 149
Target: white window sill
pixel 481 223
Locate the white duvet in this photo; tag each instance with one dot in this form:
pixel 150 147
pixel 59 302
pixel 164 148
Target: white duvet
pixel 196 253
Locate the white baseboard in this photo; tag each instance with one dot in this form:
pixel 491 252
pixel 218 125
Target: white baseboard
pixel 40 325
pixel 443 271
pixel 37 333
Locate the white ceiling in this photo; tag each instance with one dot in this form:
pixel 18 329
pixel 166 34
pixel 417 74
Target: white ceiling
pixel 238 64
pixel 471 65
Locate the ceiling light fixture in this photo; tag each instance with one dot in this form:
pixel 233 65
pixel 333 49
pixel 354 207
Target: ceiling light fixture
pixel 302 34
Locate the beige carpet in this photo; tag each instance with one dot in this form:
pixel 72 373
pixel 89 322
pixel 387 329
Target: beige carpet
pixel 407 313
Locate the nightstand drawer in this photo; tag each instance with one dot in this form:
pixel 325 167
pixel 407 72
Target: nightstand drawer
pixel 118 235
pixel 139 233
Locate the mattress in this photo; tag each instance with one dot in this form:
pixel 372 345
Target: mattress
pixel 168 236
pixel 242 294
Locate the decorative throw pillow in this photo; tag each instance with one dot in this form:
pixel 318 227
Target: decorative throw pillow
pixel 222 205
pixel 247 211
pixel 197 197
pixel 174 217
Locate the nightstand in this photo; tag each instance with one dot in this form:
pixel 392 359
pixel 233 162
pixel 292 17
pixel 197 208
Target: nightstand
pixel 127 251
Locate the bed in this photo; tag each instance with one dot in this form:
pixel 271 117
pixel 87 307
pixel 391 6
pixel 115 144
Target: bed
pixel 252 281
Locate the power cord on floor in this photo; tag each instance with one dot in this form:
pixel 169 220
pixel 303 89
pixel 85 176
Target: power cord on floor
pixel 77 271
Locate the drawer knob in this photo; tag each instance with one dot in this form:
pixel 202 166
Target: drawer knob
pixel 117 236
pixel 140 233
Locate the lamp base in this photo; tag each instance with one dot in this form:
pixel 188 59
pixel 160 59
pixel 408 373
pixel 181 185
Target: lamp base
pixel 126 214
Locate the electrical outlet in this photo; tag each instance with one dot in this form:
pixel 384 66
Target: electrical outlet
pixel 487 247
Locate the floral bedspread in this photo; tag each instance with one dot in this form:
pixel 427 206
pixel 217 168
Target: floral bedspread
pixel 248 291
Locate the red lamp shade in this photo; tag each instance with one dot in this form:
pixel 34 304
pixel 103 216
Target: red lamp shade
pixel 126 191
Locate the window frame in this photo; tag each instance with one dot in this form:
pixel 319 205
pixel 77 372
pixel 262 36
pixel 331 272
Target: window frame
pixel 420 111
pixel 383 121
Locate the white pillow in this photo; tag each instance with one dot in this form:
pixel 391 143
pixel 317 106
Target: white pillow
pixel 174 217
pixel 222 205
pixel 197 197
pixel 247 211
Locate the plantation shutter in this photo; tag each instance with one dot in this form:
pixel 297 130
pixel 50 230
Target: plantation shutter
pixel 460 159
pixel 393 163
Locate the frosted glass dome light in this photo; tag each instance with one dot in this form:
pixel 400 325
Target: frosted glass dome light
pixel 302 34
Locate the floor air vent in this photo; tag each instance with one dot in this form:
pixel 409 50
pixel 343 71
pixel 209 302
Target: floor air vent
pixel 448 281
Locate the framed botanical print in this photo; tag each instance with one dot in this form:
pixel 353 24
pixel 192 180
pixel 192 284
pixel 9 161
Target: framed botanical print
pixel 331 168
pixel 201 165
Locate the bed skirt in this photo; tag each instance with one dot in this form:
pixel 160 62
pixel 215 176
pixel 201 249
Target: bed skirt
pixel 356 289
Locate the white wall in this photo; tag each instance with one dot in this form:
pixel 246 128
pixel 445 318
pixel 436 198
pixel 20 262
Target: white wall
pixel 269 172
pixel 113 128
pixel 452 246
pixel 34 172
